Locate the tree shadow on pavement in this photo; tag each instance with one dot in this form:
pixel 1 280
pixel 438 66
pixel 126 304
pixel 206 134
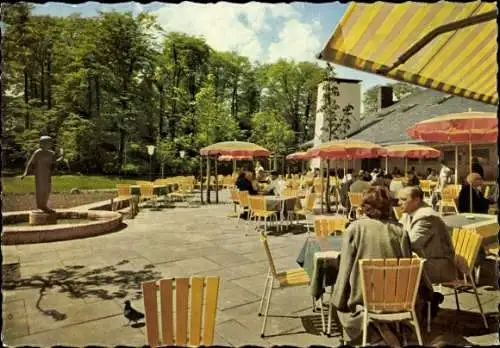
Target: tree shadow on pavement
pixel 80 282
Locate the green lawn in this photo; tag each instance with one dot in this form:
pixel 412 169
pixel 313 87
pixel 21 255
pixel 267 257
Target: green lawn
pixel 63 183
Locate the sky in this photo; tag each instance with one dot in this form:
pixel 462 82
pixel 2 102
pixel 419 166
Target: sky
pixel 263 32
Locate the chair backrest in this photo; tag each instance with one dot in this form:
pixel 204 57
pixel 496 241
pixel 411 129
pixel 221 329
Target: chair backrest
pixel 196 296
pixel 327 226
pixel 398 212
pixel 234 195
pixel 265 244
pixel 390 285
pixel 147 190
pixel 257 203
pixel 355 198
pixel 487 191
pixel 244 199
pixel 450 192
pixel 466 244
pixel 425 185
pixel 290 192
pixel 123 190
pixel 142 182
pixel 310 201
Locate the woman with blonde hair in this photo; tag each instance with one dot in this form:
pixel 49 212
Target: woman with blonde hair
pixel 480 204
pixel 372 236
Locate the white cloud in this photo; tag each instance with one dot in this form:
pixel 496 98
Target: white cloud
pixel 297 40
pixel 245 28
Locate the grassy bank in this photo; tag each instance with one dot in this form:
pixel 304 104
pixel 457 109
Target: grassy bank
pixel 63 183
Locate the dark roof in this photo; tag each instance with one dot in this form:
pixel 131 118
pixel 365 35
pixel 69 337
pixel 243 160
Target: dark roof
pixel 390 125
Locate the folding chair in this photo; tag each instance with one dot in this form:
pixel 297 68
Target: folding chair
pixel 194 305
pixel 327 226
pixel 355 201
pixel 466 244
pixel 449 194
pixel 285 279
pixel 390 288
pixel 258 210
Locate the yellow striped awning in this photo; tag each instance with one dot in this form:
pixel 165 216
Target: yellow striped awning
pixel 446 46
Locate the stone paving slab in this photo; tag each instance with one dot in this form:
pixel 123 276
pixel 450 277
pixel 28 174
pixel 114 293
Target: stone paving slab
pixel 86 281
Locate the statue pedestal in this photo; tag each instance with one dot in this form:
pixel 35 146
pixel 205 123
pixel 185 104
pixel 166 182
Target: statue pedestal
pixel 42 218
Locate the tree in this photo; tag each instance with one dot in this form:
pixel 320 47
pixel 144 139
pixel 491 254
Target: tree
pixel 271 131
pixel 337 124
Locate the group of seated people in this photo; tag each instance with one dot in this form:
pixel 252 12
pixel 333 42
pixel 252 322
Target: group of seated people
pixel 247 181
pixel 376 235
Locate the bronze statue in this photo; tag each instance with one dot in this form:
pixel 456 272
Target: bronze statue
pixel 43 160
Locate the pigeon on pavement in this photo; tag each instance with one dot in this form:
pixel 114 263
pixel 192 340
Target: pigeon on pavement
pixel 131 314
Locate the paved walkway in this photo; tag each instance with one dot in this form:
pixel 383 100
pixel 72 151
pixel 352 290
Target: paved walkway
pixel 72 292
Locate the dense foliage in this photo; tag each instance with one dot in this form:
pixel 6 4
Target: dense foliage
pixel 107 86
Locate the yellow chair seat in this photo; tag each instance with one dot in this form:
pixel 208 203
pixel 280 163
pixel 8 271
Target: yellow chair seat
pixel 296 276
pixel 302 212
pixel 263 213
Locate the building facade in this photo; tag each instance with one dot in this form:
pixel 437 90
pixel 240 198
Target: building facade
pixel 349 93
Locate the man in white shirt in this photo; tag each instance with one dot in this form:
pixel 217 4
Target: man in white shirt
pixel 443 180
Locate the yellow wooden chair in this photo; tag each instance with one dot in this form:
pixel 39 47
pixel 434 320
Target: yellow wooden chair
pixel 488 231
pixel 147 192
pixel 290 192
pixel 327 226
pixel 355 201
pixel 389 288
pixel 426 186
pixel 142 182
pixel 466 244
pixel 235 199
pixel 307 210
pixel 258 210
pixel 244 202
pixel 123 190
pixel 194 302
pixel 284 279
pixel 449 194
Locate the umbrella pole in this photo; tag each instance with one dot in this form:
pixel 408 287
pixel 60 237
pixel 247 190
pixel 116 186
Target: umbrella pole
pixel 234 166
pixel 321 181
pixel 208 179
pixel 201 179
pixel 406 167
pixel 386 167
pixel 302 172
pixel 456 164
pixel 216 182
pixel 470 171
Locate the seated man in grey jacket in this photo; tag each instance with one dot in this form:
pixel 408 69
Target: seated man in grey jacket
pixel 429 236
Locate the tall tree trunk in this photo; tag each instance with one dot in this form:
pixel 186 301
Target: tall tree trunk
pixel 26 87
pixel 234 99
pixel 162 112
pixel 97 96
pixel 42 82
pixel 89 96
pixel 49 81
pixel 33 89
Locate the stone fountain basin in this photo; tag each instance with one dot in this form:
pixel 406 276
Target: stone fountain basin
pixel 102 222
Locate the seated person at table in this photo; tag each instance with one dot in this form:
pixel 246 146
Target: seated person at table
pixel 243 184
pixel 429 236
pixel 431 175
pixel 274 184
pixel 361 182
pixel 413 180
pixel 261 175
pixel 370 237
pixel 480 205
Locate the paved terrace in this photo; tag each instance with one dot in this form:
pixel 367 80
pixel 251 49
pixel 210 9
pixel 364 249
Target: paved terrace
pixel 72 292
